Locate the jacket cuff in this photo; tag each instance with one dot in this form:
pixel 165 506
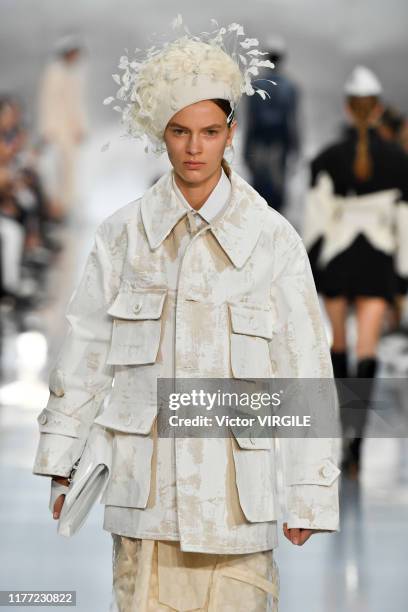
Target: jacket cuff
pixel 294 522
pixel 312 496
pixel 57 454
pixel 313 507
pixel 55 422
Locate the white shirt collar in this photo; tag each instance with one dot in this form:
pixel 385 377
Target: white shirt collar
pixel 215 202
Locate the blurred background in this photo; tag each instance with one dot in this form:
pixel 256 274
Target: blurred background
pixel 57 183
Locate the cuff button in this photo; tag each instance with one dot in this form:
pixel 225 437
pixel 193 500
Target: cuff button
pixel 42 418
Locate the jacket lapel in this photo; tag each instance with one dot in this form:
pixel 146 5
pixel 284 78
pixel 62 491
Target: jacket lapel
pixel 236 229
pixel 161 210
pixel 239 227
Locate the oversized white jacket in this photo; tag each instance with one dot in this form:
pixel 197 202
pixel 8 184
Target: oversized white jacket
pixel 241 303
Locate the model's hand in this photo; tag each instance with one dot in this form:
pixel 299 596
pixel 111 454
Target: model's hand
pixel 59 502
pixel 298 535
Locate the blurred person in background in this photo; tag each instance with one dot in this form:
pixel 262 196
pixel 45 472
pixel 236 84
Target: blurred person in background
pixel 391 128
pixel 23 161
pixel 13 134
pixel 272 130
pixel 403 136
pixel 18 230
pixel 355 231
pixel 12 237
pixel 63 120
pixel 391 124
pixel 25 245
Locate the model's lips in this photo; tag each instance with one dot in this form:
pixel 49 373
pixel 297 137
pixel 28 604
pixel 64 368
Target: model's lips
pixel 194 164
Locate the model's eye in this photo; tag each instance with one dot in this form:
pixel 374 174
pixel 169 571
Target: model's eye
pixel 178 131
pixel 212 132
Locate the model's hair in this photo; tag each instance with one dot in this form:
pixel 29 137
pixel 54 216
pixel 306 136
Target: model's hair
pixel 361 109
pixel 225 106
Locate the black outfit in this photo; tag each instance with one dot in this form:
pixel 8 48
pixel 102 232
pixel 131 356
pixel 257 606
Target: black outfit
pixel 362 268
pixel 355 233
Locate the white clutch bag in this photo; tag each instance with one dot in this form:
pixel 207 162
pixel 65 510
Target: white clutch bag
pixel 88 482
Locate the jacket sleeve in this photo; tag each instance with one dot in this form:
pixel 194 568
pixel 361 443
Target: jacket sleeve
pixel 80 378
pixel 299 350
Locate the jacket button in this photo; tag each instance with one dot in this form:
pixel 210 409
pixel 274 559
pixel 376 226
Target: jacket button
pixel 326 472
pixel 42 418
pixel 137 307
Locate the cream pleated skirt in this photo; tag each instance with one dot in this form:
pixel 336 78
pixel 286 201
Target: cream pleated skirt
pixel 156 576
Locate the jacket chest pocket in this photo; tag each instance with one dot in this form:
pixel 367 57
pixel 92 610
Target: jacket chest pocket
pixel 251 329
pixel 137 322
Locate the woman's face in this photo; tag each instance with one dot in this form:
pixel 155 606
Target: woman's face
pixel 198 133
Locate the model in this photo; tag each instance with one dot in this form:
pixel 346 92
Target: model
pixel 271 142
pixel 355 231
pixel 199 278
pixel 63 120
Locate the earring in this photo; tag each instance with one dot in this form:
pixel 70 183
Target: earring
pixel 229 154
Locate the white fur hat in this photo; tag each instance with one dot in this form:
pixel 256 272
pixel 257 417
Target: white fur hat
pixel 182 72
pixel 362 82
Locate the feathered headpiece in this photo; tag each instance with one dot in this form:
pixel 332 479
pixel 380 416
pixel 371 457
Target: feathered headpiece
pixel 157 83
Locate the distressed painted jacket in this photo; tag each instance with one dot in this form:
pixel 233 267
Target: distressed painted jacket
pixel 240 302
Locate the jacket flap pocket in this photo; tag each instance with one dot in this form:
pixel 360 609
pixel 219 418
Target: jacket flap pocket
pixel 128 420
pixel 246 438
pixel 323 472
pixel 59 423
pixel 135 306
pixel 251 321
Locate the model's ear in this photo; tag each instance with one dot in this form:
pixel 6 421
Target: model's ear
pixel 232 129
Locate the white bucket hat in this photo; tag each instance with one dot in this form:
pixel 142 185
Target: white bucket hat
pixel 362 82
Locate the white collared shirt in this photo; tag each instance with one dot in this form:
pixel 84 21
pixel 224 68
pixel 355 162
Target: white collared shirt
pixel 214 204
